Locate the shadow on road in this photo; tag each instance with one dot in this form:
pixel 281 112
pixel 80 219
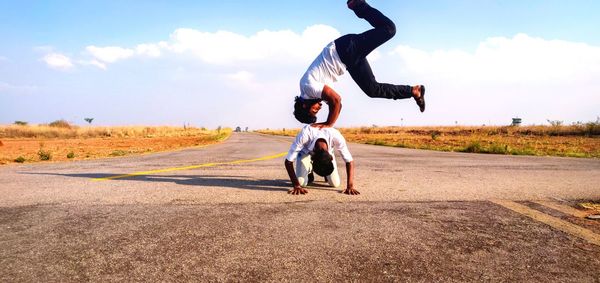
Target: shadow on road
pixel 237 182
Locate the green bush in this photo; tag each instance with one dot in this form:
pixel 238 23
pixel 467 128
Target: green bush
pixel 593 128
pixel 497 148
pixel 20 159
pixel 118 153
pixel 523 151
pixel 60 124
pixel 21 123
pixel 473 147
pixel 71 155
pixel 376 142
pixel 44 155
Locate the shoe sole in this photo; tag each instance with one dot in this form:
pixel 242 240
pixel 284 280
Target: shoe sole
pixel 422 98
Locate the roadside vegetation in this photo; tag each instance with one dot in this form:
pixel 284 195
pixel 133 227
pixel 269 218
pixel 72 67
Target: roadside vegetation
pixel 578 140
pixel 60 141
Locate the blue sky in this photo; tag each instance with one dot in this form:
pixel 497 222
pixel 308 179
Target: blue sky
pixel 172 62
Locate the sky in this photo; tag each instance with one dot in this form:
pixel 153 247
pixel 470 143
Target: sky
pixel 238 63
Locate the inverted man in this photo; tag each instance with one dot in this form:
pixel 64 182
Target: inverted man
pixel 313 151
pixel 349 52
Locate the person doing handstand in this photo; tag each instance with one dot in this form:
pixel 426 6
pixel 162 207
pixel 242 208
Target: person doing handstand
pixel 349 52
pixel 313 151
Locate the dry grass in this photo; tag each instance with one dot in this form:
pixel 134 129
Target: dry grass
pixel 70 132
pixel 65 142
pixel 591 205
pixel 581 140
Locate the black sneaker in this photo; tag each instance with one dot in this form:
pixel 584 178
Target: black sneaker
pixel 311 178
pixel 352 4
pixel 421 100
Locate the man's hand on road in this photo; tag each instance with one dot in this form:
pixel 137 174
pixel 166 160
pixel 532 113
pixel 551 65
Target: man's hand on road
pixel 351 191
pixel 298 190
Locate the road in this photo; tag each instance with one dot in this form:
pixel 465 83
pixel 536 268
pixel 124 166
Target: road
pixel 221 213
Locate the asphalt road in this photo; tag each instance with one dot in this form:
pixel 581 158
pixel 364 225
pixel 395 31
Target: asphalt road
pixel 221 213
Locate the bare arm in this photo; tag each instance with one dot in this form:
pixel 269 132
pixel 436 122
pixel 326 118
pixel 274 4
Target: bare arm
pixel 350 181
pixel 334 101
pixel 289 167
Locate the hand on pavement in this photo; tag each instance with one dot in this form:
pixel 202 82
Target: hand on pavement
pixel 298 190
pixel 351 191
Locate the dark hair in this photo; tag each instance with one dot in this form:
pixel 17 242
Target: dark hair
pixel 301 112
pixel 322 162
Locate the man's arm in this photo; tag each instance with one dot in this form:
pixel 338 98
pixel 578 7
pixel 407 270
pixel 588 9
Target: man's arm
pixel 289 166
pixel 334 101
pixel 350 181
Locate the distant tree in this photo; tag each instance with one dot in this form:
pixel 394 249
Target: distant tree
pixel 60 124
pixel 246 129
pixel 89 120
pixel 21 123
pixel 219 129
pixel 238 129
pixel 555 123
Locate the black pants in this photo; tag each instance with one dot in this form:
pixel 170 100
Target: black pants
pixel 354 48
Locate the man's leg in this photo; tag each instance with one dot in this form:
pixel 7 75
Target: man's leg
pixel 303 168
pixel 334 179
pixel 362 74
pixel 354 47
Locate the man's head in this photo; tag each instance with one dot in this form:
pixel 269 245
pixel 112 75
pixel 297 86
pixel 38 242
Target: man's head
pixel 305 110
pixel 322 160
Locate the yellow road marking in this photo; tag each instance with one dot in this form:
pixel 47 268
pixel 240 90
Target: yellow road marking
pixel 559 224
pixel 563 208
pixel 190 167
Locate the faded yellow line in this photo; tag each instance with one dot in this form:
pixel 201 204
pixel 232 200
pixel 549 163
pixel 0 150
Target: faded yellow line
pixel 559 224
pixel 563 208
pixel 190 167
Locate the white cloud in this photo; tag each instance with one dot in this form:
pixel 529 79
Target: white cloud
pixel 58 61
pixel 508 60
pixel 522 75
pixel 374 56
pixel 2 58
pixel 150 50
pixel 98 64
pixel 487 83
pixel 93 62
pixel 242 76
pixel 224 47
pixel 109 54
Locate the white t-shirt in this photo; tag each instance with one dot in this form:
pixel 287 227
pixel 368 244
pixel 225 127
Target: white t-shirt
pixel 324 70
pixel 308 136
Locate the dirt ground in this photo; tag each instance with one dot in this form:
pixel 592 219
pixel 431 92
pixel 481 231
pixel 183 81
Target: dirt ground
pixel 33 150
